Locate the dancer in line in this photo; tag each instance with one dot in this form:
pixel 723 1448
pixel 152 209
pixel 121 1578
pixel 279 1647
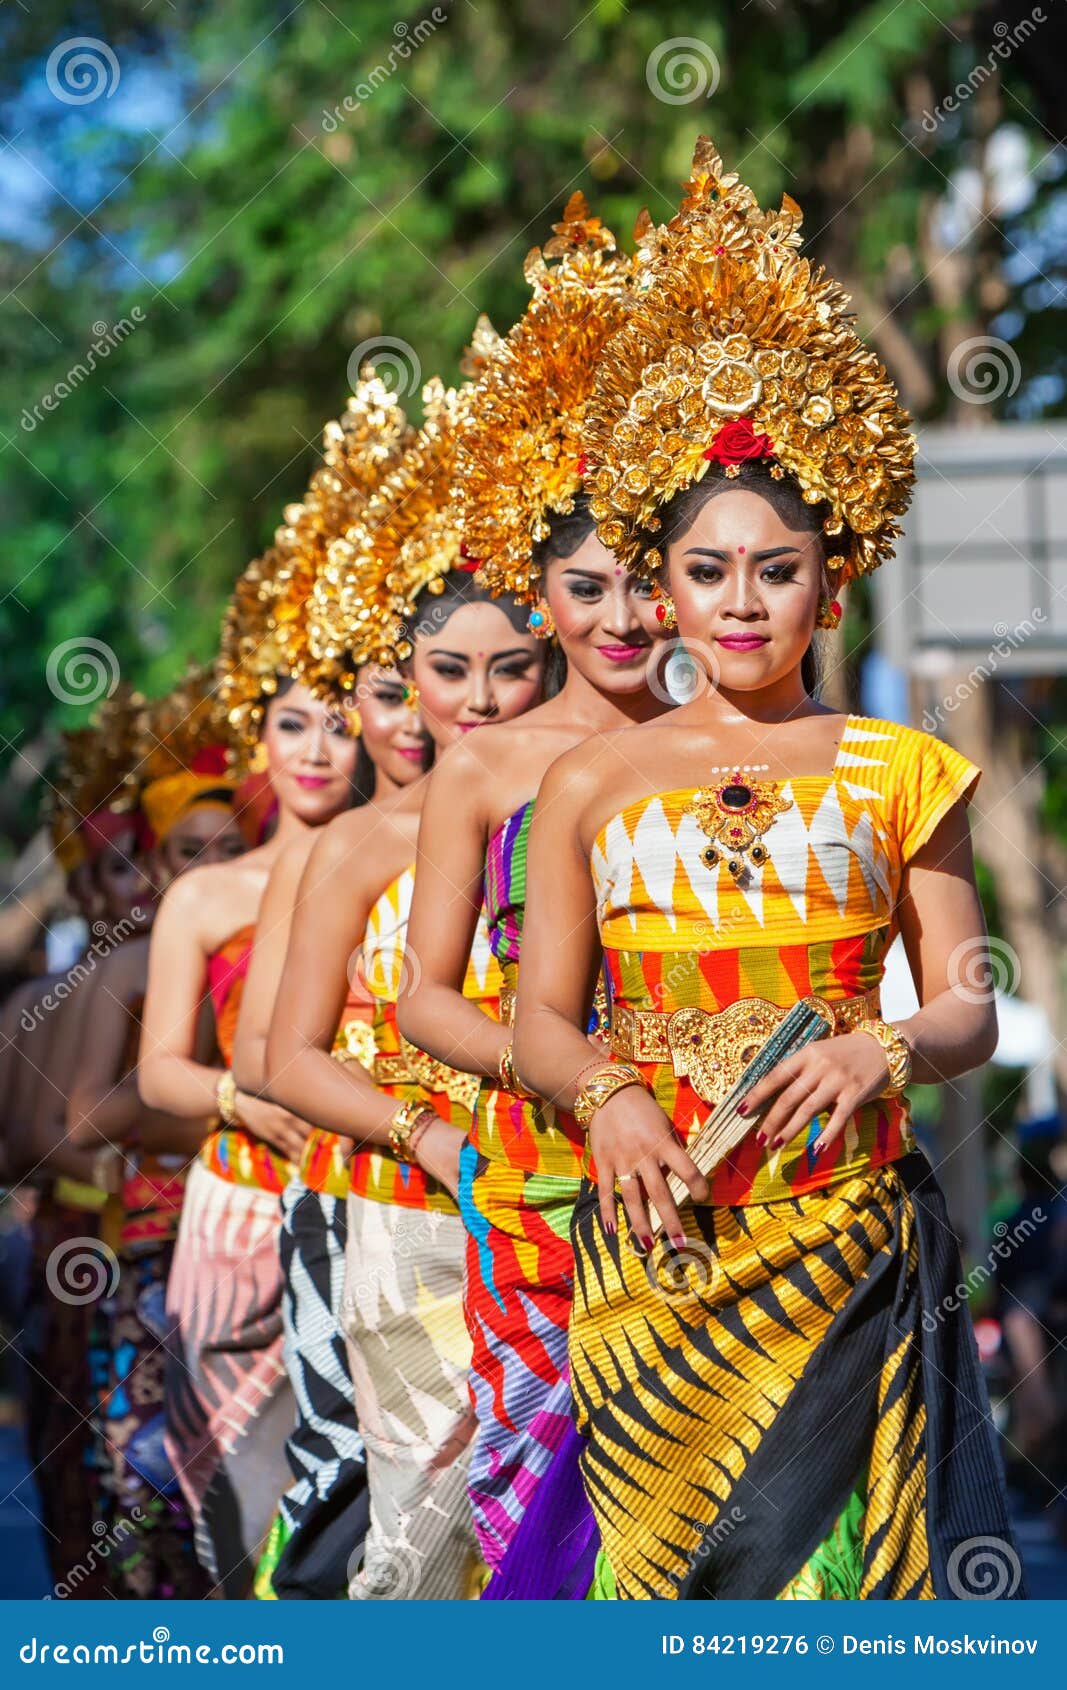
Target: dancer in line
pixel 472 663
pixel 188 803
pixel 519 474
pixel 768 1410
pixel 229 1405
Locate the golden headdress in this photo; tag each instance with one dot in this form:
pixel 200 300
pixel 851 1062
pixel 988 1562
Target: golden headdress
pixel 407 539
pixel 264 635
pixel 97 778
pixel 520 453
pixel 737 348
pixel 185 749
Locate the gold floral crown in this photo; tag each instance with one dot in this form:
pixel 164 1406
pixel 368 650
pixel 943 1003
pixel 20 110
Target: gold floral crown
pixel 264 636
pixel 406 540
pixel 185 749
pixel 520 453
pixel 97 771
pixel 735 348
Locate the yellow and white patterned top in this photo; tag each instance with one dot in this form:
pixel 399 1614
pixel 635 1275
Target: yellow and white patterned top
pixel 817 916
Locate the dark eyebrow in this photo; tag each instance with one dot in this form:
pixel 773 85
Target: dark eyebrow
pixel 586 574
pixel 774 551
pixel 460 656
pixel 512 651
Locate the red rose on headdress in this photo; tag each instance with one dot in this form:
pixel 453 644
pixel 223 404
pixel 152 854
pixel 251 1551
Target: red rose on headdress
pixel 211 760
pixel 582 464
pixel 467 563
pixel 737 443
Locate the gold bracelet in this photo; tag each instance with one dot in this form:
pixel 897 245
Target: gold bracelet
pixel 897 1053
pixel 602 1085
pixel 401 1126
pixel 509 1080
pixel 226 1098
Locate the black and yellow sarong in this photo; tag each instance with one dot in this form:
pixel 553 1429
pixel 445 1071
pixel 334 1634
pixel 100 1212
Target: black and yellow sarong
pixel 791 1407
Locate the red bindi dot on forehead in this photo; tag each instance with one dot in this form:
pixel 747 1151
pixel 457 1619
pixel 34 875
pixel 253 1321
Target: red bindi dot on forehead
pixel 618 572
pixel 740 548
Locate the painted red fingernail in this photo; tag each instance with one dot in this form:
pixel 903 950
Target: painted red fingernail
pixel 742 1108
pixel 647 1243
pixel 679 1241
pixel 761 1138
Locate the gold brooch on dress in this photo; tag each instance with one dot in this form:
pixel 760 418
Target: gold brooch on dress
pixel 735 816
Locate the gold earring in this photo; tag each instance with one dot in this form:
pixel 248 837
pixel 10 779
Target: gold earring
pixel 829 613
pixel 353 720
pixel 666 614
pixel 411 695
pixel 540 621
pixel 258 762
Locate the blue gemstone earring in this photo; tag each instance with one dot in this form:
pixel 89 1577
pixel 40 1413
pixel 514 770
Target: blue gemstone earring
pixel 540 622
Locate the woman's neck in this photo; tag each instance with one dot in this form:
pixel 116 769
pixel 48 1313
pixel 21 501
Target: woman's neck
pixel 784 700
pixel 580 703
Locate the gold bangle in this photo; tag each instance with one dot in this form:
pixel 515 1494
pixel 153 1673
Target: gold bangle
pixel 509 1080
pixel 602 1085
pixel 401 1125
pixel 897 1053
pixel 226 1098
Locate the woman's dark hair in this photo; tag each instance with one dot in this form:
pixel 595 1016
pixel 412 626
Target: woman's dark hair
pixel 432 610
pixel 566 532
pixel 784 497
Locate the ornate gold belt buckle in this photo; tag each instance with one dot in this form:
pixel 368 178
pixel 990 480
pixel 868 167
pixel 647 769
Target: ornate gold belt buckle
pixel 438 1076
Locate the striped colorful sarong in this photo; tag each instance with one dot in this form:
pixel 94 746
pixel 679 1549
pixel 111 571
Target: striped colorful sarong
pixel 229 1403
pixel 518 1289
pixel 792 1406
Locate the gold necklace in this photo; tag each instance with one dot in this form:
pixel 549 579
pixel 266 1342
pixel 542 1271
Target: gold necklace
pixel 735 815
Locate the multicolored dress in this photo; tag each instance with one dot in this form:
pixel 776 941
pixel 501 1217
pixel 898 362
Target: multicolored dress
pixel 229 1404
pixel 521 1177
pixel 323 1516
pixel 403 1303
pixel 152 1553
pixel 787 1407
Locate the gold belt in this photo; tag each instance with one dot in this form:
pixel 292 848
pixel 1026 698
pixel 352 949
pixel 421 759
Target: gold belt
pixel 355 1043
pixel 413 1065
pixel 711 1050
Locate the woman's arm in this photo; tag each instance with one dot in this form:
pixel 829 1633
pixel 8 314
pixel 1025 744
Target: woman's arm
pixel 632 1139
pixel 941 922
pixel 335 896
pixel 432 1011
pixel 273 926
pixel 168 1075
pixel 103 1106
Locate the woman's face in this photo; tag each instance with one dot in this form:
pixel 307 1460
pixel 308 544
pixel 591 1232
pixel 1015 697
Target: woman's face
pixel 746 589
pixel 605 617
pixel 311 755
pixel 207 833
pixel 121 872
pixel 476 670
pixel 393 734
